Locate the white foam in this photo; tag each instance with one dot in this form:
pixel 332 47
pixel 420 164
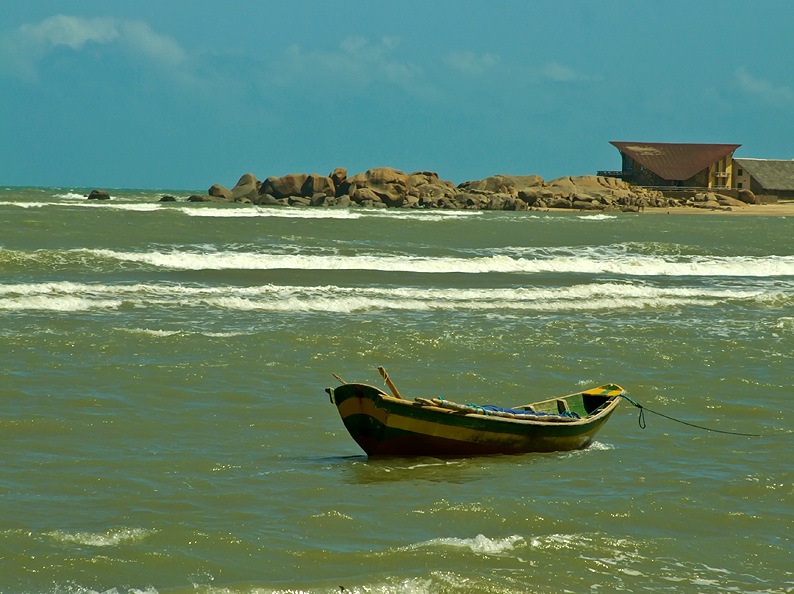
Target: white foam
pixel 70 296
pixel 598 217
pixel 618 263
pixel 280 212
pixel 56 303
pixel 71 196
pixel 480 544
pixel 25 204
pixel 600 447
pixel 561 541
pixel 108 205
pixel 157 333
pixel 109 538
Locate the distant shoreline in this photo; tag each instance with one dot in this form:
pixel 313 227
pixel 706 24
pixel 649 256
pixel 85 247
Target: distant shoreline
pixel 774 209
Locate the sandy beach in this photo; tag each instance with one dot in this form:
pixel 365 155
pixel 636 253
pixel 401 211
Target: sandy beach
pixel 778 209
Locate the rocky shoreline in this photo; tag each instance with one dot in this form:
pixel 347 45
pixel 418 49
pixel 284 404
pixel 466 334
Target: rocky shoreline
pixel 385 187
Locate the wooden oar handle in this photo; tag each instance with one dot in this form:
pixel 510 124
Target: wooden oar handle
pixel 389 383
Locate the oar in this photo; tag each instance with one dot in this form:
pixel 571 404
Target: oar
pixel 389 383
pixel 341 381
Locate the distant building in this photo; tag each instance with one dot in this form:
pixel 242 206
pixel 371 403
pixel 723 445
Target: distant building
pixel 765 177
pixel 660 164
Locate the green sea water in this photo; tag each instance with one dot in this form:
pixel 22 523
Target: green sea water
pixel 164 426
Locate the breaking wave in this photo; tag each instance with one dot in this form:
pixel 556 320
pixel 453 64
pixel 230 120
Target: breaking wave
pixel 548 261
pixel 109 538
pixel 70 296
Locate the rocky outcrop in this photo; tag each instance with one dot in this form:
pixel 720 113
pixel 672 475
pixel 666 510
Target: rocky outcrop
pixel 383 187
pixel 506 184
pixel 99 195
pixel 389 185
pixel 748 197
pixel 246 189
pixel 338 176
pixel 728 201
pixel 316 184
pixel 285 186
pixel 218 191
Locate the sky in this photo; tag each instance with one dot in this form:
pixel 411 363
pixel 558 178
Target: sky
pixel 181 94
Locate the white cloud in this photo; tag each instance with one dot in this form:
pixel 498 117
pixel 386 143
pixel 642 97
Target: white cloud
pixel 775 95
pixel 562 73
pixel 22 49
pixel 470 63
pixel 160 49
pixel 356 63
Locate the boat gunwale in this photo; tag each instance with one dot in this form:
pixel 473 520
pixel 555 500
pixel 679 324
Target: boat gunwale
pixel 604 412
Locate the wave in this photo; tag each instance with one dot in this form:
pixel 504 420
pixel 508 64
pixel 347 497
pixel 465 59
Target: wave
pixel 109 538
pixel 567 260
pixel 127 206
pixel 325 213
pixel 69 296
pixel 280 212
pixel 73 200
pixel 480 544
pixel 71 196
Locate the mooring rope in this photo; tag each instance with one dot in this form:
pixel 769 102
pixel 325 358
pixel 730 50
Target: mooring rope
pixel 641 420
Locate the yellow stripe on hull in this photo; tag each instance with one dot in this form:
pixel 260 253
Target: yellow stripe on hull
pixel 449 431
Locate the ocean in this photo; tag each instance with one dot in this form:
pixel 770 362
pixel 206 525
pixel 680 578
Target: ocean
pixel 164 426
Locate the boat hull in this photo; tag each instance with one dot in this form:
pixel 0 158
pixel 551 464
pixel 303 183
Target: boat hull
pixel 386 426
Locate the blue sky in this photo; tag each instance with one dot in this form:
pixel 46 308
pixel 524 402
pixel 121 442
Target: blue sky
pixel 184 94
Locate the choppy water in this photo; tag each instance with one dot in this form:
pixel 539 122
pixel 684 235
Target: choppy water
pixel 163 424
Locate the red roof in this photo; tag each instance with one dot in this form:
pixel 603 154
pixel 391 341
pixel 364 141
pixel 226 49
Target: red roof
pixel 675 161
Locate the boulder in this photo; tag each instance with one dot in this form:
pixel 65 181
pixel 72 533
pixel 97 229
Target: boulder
pixel 218 191
pixel 728 201
pixel 586 204
pixel 299 201
pixel 427 183
pixel 246 188
pixel 338 176
pixel 390 185
pixel 748 197
pixel 266 200
pixel 501 201
pixel 473 201
pixel 321 199
pixel 317 184
pixel 559 202
pixel 532 195
pixel 206 198
pixel 411 202
pixel 562 186
pixel 362 195
pixel 285 186
pixel 168 198
pixel 99 195
pixel 503 183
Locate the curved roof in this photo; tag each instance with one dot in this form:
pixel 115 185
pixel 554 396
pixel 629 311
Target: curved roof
pixel 772 174
pixel 675 162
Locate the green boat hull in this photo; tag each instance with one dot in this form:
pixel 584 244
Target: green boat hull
pixel 383 425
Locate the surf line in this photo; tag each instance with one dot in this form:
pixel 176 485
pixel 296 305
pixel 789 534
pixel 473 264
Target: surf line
pixel 641 420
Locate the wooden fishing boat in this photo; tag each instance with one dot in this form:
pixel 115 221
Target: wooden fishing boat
pixel 385 425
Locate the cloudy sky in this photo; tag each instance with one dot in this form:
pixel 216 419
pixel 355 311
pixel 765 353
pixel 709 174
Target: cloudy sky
pixel 183 94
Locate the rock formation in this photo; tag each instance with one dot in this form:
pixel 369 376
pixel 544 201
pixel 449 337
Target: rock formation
pixel 385 187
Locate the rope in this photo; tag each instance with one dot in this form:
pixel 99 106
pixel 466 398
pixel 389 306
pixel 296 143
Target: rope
pixel 642 424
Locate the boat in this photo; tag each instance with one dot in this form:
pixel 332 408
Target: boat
pixel 390 425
